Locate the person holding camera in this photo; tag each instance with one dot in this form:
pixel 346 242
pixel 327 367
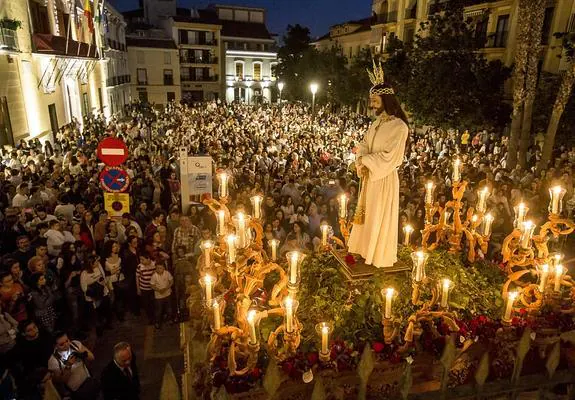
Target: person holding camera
pixel 68 367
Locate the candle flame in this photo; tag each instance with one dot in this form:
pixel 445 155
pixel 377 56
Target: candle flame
pixel 489 217
pixel 513 296
pixel 557 189
pixel 240 216
pixel 408 228
pixel 446 283
pixel 288 302
pixel 208 279
pixel 389 292
pixel 545 268
pixel 429 185
pixel 325 329
pixel 231 239
pixel 559 269
pixel 251 316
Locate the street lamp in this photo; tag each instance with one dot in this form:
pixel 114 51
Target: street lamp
pixel 280 88
pixel 313 87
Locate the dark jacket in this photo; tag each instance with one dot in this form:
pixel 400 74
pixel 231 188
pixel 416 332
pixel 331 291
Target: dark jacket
pixel 117 386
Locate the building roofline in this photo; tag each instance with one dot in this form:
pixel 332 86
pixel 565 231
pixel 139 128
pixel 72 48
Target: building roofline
pixel 235 7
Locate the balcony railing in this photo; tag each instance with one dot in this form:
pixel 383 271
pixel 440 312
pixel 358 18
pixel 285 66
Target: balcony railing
pixel 8 39
pixel 386 18
pixel 212 42
pixel 113 44
pixel 118 80
pixel 198 60
pixel 212 78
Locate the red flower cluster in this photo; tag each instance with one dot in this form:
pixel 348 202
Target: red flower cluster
pixel 350 260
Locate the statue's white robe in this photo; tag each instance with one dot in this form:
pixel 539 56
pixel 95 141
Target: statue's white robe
pixel 382 152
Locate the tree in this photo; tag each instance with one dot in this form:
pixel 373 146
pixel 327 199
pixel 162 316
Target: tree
pixel 561 100
pixel 530 21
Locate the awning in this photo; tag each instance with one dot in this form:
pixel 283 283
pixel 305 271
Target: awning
pixel 45 43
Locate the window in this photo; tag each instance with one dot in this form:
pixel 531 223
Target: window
pixel 168 77
pixel 185 74
pixel 141 58
pixel 85 104
pixel 480 34
pixel 257 71
pixel 39 16
pixel 183 35
pixel 167 57
pixel 547 25
pixel 502 31
pixel 142 76
pixel 171 96
pixel 240 70
pixel 143 96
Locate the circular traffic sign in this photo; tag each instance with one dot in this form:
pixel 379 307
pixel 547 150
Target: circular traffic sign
pixel 112 151
pixel 114 180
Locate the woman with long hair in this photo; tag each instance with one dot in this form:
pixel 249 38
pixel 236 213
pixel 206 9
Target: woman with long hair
pixel 43 299
pixel 115 276
pixel 96 292
pixel 70 269
pixel 87 229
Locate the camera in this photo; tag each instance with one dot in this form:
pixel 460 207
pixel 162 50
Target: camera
pixel 80 355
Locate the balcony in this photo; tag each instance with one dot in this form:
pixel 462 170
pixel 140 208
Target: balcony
pixel 213 42
pixel 198 60
pixel 118 80
pixel 386 18
pixel 8 39
pixel 213 78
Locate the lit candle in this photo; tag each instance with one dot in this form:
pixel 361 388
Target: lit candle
pixel 208 282
pixel 446 216
pixel 343 206
pixel 252 326
pixel 274 243
pixel 289 314
pixel 429 193
pixel 324 230
pixel 520 214
pixel 388 300
pixel 293 261
pixel 544 275
pixel 231 241
pixel 221 216
pixel 257 204
pixel 487 221
pixel 527 228
pixel 558 275
pixel 223 184
pixel 207 249
pixel 217 315
pixel 324 338
pixel 557 193
pixel 483 194
pixel 419 260
pixel 407 230
pixel 241 230
pixel 456 170
pixel 446 283
pixel 511 296
pixel 473 222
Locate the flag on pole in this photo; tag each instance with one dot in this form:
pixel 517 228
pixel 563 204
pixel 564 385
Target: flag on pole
pixel 88 15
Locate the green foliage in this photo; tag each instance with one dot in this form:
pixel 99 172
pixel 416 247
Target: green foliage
pixel 355 309
pixel 546 93
pixel 9 23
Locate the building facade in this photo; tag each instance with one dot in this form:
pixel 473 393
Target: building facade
pixel 54 69
pixel 154 68
pixel 250 55
pixel 351 37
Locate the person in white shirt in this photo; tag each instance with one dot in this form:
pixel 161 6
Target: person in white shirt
pixel 68 366
pixel 21 198
pixel 162 282
pixel 96 292
pixel 56 238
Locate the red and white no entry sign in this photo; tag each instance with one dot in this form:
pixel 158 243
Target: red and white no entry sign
pixel 112 151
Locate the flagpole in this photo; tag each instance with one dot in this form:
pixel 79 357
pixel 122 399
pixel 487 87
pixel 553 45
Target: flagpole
pixel 68 29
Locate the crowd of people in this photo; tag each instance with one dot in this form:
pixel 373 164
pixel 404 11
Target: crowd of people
pixel 69 269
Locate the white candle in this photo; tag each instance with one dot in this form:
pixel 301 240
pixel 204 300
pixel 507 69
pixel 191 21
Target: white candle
pixel 488 220
pixel 473 222
pixel 558 276
pixel 324 338
pixel 526 231
pixel 429 193
pixel 324 229
pixel 521 214
pixel 343 206
pixel 388 300
pixel 223 184
pixel 241 230
pixel 231 241
pixel 208 282
pixel 289 314
pixel 483 194
pixel 407 230
pixel 217 316
pixel 293 261
pixel 446 283
pixel 274 245
pixel 555 198
pixel 456 173
pixel 207 248
pixel 511 296
pixel 257 203
pixel 221 216
pixel 419 267
pixel 544 275
pixel 252 326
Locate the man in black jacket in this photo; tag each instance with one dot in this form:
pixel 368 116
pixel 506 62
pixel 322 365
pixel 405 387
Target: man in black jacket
pixel 120 379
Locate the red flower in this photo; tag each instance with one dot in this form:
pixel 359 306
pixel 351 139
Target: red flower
pixel 378 347
pixel 256 373
pixel 312 358
pixel 349 259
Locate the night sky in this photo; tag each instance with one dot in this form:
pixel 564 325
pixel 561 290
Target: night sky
pixel 318 15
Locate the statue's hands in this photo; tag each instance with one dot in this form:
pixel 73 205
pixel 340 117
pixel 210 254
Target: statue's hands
pixel 361 170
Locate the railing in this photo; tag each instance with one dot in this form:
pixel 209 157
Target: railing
pixel 212 78
pixel 213 42
pixel 8 39
pixel 113 44
pixel 118 80
pixel 142 82
pixel 386 18
pixel 198 60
